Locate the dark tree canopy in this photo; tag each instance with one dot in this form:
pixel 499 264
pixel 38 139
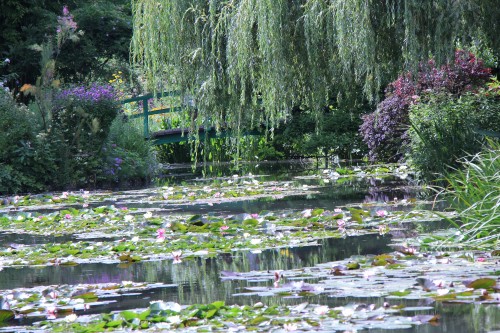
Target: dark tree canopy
pixel 250 61
pixel 106 26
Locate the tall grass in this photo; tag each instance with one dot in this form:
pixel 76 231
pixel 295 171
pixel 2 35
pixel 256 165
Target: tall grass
pixel 475 194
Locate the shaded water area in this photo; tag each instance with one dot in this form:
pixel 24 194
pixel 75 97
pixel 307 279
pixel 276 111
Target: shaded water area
pixel 202 279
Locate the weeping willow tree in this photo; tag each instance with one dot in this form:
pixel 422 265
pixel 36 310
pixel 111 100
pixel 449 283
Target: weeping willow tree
pixel 249 62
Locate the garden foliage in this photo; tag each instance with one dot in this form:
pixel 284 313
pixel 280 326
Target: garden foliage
pixel 474 192
pixel 445 129
pixel 59 141
pixel 385 131
pixel 26 159
pixel 128 159
pixel 336 134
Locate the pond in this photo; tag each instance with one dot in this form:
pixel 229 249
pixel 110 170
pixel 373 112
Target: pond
pixel 285 246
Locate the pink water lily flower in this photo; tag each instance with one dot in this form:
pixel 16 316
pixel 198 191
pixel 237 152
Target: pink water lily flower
pixel 177 256
pixel 224 228
pixel 381 213
pixel 383 229
pixel 51 312
pixel 160 234
pixel 67 216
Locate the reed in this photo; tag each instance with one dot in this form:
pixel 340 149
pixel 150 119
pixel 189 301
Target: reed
pixel 475 193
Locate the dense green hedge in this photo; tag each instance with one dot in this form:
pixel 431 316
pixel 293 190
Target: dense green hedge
pixel 446 128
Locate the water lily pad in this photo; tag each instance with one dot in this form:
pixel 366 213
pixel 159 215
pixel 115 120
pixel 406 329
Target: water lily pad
pixel 483 283
pixel 6 315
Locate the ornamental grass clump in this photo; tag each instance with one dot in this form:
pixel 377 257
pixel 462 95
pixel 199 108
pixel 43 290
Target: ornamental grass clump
pixel 475 193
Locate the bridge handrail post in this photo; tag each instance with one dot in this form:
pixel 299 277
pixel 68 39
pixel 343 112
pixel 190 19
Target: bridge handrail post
pixel 145 108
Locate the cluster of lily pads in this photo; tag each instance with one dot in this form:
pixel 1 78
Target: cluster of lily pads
pixel 217 316
pixel 97 227
pixel 112 234
pixel 403 275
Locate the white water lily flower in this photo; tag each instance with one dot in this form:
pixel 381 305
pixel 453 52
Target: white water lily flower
pixel 255 241
pixel 290 327
pixel 307 213
pixel 174 320
pixel 442 292
pixel 246 235
pixel 321 310
pixel 71 318
pixel 347 312
pixel 148 215
pixel 135 239
pixel 128 218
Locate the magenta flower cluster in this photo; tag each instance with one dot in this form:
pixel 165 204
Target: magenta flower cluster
pixel 66 22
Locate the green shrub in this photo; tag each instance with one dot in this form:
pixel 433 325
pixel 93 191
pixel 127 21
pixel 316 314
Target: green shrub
pixel 385 131
pixel 80 123
pixel 127 157
pixel 475 193
pixel 26 159
pixel 445 129
pixel 337 134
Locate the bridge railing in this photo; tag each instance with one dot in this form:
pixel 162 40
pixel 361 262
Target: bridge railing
pixel 146 112
pixel 176 134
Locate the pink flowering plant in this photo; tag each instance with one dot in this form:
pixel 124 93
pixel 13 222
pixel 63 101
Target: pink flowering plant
pixel 385 131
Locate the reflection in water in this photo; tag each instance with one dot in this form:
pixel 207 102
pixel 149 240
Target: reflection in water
pixel 199 280
pixel 190 272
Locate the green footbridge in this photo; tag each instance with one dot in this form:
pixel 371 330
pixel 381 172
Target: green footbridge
pixel 175 134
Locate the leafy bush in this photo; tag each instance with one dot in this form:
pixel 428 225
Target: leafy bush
pixel 445 129
pixel 474 193
pixel 26 160
pixel 338 134
pixel 80 124
pixel 127 157
pixel 385 130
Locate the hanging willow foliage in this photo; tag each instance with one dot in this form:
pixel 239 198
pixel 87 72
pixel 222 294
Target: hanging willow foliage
pixel 248 62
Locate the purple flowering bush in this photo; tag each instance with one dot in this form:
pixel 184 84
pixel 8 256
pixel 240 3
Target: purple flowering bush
pixel 85 114
pixel 81 119
pixel 385 131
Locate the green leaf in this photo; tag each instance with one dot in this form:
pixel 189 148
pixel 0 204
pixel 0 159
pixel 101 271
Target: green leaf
pixel 317 212
pixel 484 283
pixel 209 314
pixel 256 321
pixel 352 265
pixel 400 293
pixel 114 323
pixel 218 304
pixel 88 297
pixel 129 315
pixel 143 315
pixel 6 315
